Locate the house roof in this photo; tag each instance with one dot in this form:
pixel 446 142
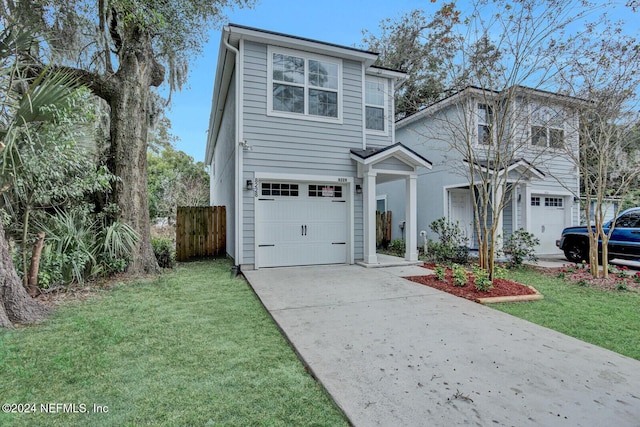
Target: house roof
pixel 261 35
pixel 373 155
pixel 478 91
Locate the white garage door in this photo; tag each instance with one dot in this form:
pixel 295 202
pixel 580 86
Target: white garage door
pixel 547 221
pixel 301 224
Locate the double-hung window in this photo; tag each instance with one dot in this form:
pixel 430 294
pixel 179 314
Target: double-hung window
pixel 304 85
pixel 547 127
pixel 375 99
pixel 485 124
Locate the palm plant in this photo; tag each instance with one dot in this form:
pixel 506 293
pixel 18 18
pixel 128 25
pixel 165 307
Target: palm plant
pixel 25 102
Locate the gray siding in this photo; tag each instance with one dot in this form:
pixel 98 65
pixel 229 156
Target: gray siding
pixel 431 138
pixel 298 146
pixel 393 164
pixel 223 167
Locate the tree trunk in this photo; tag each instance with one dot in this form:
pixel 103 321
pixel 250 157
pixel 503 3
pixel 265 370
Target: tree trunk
pixel 16 306
pixel 32 284
pixel 137 72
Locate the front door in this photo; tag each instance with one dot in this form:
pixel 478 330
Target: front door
pixel 460 209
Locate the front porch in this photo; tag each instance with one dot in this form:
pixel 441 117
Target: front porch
pixel 380 165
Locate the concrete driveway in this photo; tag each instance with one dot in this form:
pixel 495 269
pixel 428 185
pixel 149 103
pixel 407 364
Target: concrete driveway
pixel 395 353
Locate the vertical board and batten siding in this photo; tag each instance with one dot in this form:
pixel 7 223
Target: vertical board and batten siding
pixel 200 232
pixel 297 146
pixel 223 175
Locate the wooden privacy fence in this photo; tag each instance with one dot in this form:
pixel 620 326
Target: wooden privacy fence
pixel 383 228
pixel 200 232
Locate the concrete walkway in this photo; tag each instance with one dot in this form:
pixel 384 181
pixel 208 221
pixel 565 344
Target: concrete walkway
pixel 395 353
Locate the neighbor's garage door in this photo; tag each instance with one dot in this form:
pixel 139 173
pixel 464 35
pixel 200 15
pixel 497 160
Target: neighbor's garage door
pixel 301 224
pixel 548 221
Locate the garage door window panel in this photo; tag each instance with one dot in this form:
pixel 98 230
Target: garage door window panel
pixel 280 189
pixel 325 191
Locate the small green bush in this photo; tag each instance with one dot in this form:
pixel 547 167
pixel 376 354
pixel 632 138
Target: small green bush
pixel 520 245
pixel 482 281
pixel 452 245
pixel 459 275
pixel 440 272
pixel 164 252
pixel 397 246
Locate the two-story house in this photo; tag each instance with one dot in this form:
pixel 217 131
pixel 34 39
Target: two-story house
pixel 300 134
pixel 527 138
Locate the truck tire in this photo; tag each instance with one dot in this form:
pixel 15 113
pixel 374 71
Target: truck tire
pixel 576 250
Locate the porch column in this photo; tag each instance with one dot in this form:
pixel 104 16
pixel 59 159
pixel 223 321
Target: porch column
pixel 369 208
pixel 411 219
pixel 526 207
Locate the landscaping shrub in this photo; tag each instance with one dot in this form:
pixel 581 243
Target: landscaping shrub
pixel 482 281
pixel 397 247
pixel 440 272
pixel 460 275
pixel 520 247
pixel 452 245
pixel 79 246
pixel 164 252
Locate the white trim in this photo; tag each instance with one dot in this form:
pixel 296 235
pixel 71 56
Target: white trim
pixel 293 42
pixel 382 197
pixel 347 182
pixel 271 50
pixel 364 108
pixel 400 152
pixel 385 106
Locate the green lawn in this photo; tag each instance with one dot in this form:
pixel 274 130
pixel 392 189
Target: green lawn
pixel 194 347
pixel 610 319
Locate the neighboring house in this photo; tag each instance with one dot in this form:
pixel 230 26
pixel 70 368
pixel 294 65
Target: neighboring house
pixel 300 134
pixel 542 181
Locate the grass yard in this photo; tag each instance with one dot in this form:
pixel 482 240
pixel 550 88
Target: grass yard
pixel 609 319
pixel 193 347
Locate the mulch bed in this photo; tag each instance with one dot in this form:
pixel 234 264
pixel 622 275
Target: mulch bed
pixel 501 287
pixel 620 279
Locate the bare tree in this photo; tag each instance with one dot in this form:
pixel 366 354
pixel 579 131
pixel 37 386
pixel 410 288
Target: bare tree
pixel 419 45
pixel 505 103
pixel 604 69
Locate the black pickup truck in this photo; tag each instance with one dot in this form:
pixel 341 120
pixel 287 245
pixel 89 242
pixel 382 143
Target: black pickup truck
pixel 623 244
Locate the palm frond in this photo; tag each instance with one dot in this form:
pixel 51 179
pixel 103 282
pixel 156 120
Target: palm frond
pixel 46 93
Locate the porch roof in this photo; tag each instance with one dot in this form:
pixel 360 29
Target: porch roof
pixel 405 154
pixel 521 166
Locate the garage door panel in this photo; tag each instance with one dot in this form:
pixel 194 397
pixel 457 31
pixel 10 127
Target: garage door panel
pixel 548 221
pixel 301 230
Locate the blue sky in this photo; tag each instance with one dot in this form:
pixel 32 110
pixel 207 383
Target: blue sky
pixel 333 21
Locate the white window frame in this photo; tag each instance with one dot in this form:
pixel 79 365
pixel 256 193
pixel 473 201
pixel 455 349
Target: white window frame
pixel 271 50
pixel 384 106
pixel 490 112
pixel 547 124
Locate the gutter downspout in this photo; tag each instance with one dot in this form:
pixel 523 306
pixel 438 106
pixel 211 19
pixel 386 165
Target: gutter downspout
pixel 238 159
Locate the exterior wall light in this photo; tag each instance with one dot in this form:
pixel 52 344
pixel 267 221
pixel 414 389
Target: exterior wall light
pixel 249 185
pixel 358 189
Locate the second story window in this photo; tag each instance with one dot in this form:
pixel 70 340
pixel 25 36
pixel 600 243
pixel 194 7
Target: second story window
pixel 547 127
pixel 304 85
pixel 485 124
pixel 375 104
